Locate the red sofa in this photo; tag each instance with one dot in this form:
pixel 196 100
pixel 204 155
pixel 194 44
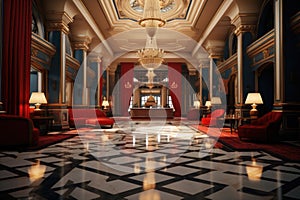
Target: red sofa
pixel 212 118
pixel 89 116
pixel 17 131
pixel 263 129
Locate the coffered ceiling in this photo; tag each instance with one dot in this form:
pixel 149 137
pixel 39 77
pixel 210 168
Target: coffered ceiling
pixel 190 25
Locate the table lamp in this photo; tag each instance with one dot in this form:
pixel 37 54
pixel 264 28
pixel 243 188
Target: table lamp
pixel 105 103
pixel 208 104
pixel 253 99
pixel 197 104
pixel 37 98
pixel 215 101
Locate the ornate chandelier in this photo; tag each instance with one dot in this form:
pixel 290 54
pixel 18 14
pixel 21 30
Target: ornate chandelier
pixel 151 17
pixel 151 57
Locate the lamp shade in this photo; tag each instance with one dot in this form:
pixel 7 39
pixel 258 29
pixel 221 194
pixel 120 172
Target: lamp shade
pixel 216 100
pixel 196 104
pixel 254 98
pixel 207 103
pixel 105 103
pixel 37 97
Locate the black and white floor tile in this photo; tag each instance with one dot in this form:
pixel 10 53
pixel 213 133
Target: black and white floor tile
pixel 145 162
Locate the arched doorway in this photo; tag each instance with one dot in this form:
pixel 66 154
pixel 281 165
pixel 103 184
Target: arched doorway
pixel 266 86
pixel 231 94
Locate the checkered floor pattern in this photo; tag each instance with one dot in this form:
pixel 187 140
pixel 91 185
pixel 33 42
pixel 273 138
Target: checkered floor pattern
pixel 142 160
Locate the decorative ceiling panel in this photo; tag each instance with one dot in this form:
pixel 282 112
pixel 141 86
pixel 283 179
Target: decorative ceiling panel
pixel 171 9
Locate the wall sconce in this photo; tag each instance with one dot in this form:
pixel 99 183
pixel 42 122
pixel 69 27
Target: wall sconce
pixel 254 99
pixel 37 98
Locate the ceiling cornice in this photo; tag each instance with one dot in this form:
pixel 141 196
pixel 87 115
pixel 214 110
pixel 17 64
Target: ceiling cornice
pixel 87 16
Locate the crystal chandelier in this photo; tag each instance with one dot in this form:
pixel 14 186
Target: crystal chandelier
pixel 151 57
pixel 151 17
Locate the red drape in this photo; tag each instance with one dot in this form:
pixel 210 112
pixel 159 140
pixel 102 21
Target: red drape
pixel 126 87
pixel 17 16
pixel 175 82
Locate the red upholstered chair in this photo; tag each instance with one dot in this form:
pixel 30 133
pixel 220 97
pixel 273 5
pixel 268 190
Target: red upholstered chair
pixel 263 129
pixel 212 118
pixel 17 131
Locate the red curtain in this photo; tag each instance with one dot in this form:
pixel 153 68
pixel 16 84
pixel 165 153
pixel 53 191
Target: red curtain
pixel 17 16
pixel 126 87
pixel 175 82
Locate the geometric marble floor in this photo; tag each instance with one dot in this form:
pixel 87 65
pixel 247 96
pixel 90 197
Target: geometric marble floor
pixel 142 161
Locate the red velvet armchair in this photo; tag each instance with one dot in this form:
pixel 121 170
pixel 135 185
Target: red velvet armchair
pixel 17 131
pixel 263 129
pixel 212 118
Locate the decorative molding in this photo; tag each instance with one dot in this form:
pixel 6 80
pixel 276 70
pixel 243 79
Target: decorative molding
pixel 72 67
pixel 295 23
pixel 81 43
pixel 244 28
pixel 262 50
pixel 42 52
pixel 58 21
pixel 230 63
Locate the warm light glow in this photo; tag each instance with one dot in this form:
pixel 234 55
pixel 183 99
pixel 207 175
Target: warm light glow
pixel 36 171
pixel 197 104
pixel 151 17
pixel 37 98
pixel 254 171
pixel 216 100
pixel 254 99
pixel 105 103
pixel 150 58
pixel 208 104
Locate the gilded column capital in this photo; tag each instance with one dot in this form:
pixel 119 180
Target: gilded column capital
pixel 244 28
pixel 95 59
pixel 81 42
pixel 215 48
pixel 58 21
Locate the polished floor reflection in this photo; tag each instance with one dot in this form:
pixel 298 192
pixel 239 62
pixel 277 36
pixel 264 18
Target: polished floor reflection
pixel 145 161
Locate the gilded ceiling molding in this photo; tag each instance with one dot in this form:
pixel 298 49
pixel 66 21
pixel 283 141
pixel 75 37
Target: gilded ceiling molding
pixel 226 4
pixel 215 48
pixel 244 22
pixel 58 21
pixel 171 9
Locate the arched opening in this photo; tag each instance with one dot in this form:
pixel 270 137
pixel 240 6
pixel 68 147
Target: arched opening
pixel 266 87
pixel 266 19
pixel 231 94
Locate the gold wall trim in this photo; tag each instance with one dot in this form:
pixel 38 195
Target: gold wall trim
pixel 228 64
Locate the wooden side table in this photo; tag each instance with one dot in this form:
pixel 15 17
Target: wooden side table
pixel 44 124
pixel 232 120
